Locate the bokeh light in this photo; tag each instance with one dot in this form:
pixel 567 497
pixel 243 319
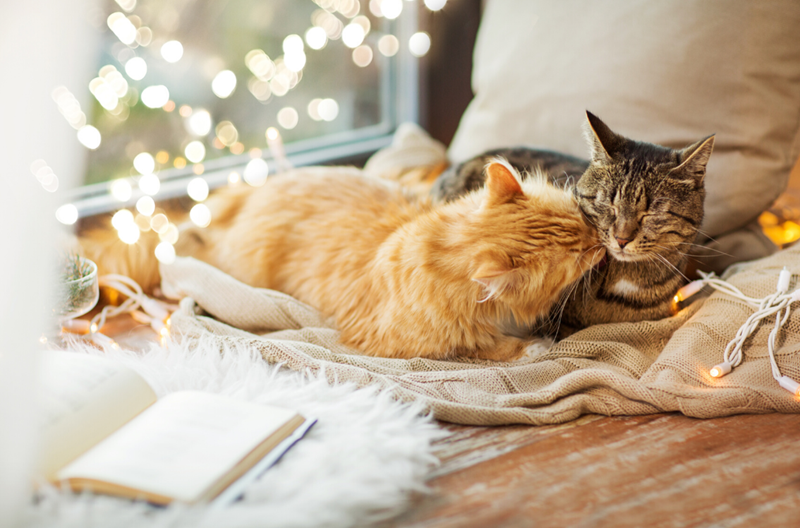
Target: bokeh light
pixel 328 109
pixel 146 205
pixel 256 172
pixel 197 189
pixel 136 68
pixel 67 214
pixel 224 84
pixel 159 223
pixel 155 96
pixel 121 190
pixel 391 9
pixel 388 45
pixel 287 117
pixel 129 233
pixel 419 43
pixel 200 215
pixel 170 234
pixel 165 253
pixel 195 152
pixel 292 44
pixel 353 35
pixel 313 109
pixel 89 137
pixel 199 123
pixel 149 184
pixel 122 27
pixel 122 218
pixel 435 5
pixel 172 51
pixel 144 163
pixel 362 56
pixel 227 133
pixel 316 38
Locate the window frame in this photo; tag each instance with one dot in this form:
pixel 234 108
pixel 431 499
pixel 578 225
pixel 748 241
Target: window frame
pixel 400 103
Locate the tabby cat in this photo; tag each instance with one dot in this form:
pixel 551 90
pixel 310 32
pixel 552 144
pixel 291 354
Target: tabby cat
pixel 646 202
pixel 402 277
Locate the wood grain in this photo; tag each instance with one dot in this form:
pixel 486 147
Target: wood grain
pixel 658 470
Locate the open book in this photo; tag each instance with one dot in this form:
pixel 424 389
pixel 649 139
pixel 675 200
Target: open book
pixel 106 431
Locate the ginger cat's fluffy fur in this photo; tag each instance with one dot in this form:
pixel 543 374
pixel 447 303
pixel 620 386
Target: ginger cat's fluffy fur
pixel 403 278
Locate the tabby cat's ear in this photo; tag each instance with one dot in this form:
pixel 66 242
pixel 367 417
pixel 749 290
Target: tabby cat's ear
pixel 694 159
pixel 495 278
pixel 502 183
pixel 602 141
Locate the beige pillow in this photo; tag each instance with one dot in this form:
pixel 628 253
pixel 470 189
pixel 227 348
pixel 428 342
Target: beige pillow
pixel 667 72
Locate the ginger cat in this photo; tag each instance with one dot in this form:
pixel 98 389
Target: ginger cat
pixel 403 277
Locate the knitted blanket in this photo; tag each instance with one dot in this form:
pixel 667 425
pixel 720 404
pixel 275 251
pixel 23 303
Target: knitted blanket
pixel 615 369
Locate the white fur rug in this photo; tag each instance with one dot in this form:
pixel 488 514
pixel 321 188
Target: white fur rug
pixel 358 464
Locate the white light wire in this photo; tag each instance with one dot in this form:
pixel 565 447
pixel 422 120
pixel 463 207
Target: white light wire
pixel 141 307
pixel 777 304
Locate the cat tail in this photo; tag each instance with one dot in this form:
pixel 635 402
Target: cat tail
pixel 136 261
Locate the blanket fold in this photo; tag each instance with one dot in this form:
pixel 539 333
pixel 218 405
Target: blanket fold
pixel 614 369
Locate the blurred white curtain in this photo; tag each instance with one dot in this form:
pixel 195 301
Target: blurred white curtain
pixel 43 44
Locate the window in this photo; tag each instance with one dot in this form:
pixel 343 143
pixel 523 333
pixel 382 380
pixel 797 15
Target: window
pixel 188 88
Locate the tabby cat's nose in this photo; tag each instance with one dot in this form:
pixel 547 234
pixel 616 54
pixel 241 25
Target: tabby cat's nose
pixel 622 241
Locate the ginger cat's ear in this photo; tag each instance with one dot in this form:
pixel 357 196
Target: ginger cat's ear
pixel 495 278
pixel 502 183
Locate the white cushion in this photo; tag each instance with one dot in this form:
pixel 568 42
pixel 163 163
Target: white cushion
pixel 665 72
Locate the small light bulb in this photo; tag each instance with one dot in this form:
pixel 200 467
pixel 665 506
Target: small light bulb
pixel 715 372
pixel 93 328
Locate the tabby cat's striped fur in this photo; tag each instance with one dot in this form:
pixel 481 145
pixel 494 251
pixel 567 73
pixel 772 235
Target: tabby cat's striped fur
pixel 646 202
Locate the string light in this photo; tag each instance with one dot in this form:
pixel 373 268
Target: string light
pixel 287 117
pixel 256 172
pixel 67 214
pixel 777 304
pixel 199 122
pixel 224 84
pixel 419 44
pixel 391 9
pixel 172 51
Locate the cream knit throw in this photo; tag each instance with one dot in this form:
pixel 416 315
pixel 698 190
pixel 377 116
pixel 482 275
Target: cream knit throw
pixel 615 369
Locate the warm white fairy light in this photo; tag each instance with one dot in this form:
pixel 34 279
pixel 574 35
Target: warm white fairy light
pixel 199 123
pixel 170 234
pixel 260 64
pixel 195 151
pixel 129 233
pixel 435 5
pixel 316 38
pixel 388 45
pixel 226 133
pixel 142 222
pixel 362 56
pixel 155 96
pixel 89 137
pixel 104 93
pixel 149 184
pixel 200 215
pixel 256 172
pixel 348 8
pixel 331 24
pixel 121 190
pixel 328 109
pixel 234 178
pixel 159 223
pixel 146 205
pixel 364 22
pixel 165 253
pixel 279 85
pixel 197 189
pixel 391 9
pixel 375 8
pixel 144 36
pixel 122 218
pixel 224 84
pixel 287 117
pixel 144 163
pixel 313 109
pixel 136 68
pixel 292 43
pixel 260 89
pixel 419 44
pixel 67 214
pixel 69 107
pixel 127 5
pixel 172 51
pixel 122 27
pixel 353 35
pixel 295 61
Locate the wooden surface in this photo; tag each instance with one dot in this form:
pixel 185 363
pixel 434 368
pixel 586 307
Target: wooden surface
pixel 656 470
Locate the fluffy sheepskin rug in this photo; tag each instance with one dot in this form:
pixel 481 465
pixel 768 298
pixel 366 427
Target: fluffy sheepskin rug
pixel 358 464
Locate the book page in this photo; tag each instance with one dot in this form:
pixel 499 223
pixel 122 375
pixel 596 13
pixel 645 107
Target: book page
pixel 181 446
pixel 82 400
